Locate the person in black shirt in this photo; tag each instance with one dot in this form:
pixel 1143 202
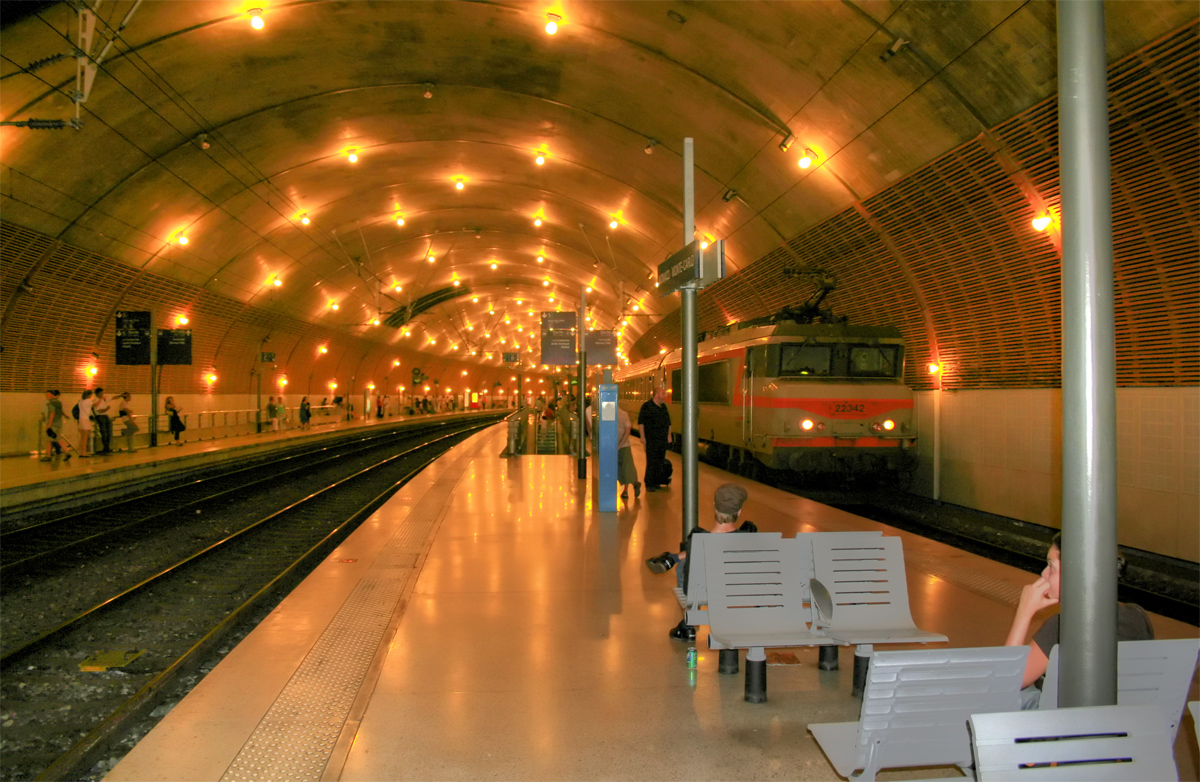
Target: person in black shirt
pixel 655 422
pixel 727 504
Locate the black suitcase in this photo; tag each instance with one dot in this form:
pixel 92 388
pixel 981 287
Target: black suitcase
pixel 667 470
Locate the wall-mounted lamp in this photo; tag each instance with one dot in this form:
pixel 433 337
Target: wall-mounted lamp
pixel 649 150
pixel 787 142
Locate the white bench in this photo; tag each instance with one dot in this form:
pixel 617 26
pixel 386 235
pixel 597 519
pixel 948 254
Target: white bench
pixel 1158 672
pixel 693 598
pixel 757 600
pixel 915 708
pixel 860 596
pixel 1087 744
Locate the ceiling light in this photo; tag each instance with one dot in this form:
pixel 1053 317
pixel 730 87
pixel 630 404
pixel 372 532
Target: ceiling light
pixel 428 90
pixel 493 266
pixel 703 245
pixel 787 142
pixel 398 289
pixel 335 306
pixel 182 320
pixel 322 349
pixel 1042 223
pixel 612 224
pixel 730 194
pixel 278 282
pixel 649 150
pixel 545 283
pixel 475 299
pixel 552 21
pixel 212 378
pixel 352 157
pixel 540 259
pixel 183 240
pixel 540 159
pixel 375 322
pixel 256 18
pixel 538 222
pixel 304 220
pixel 635 307
pixel 431 258
pixel 459 185
pixel 399 221
pixel 807 159
pixel 396 362
pixel 456 283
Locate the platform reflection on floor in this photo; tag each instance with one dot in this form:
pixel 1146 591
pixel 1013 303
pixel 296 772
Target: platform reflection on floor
pixel 530 642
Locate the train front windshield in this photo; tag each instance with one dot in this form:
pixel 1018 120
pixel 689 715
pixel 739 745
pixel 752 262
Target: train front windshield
pixel 839 360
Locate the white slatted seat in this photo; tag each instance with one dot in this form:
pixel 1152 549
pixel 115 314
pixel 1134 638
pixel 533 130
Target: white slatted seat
pixel 1158 672
pixel 1088 744
pixel 693 599
pixel 868 591
pixel 756 600
pixel 915 708
pixel 1194 708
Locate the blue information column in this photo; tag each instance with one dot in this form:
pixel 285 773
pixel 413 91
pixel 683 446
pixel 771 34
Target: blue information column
pixel 607 439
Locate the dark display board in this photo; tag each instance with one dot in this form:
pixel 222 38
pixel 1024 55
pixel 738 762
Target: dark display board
pixel 133 338
pixel 558 338
pixel 601 348
pixel 174 346
pixel 512 358
pixel 267 358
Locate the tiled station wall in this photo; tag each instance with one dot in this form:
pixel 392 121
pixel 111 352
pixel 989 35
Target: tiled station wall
pixel 960 227
pixel 53 328
pixel 1001 452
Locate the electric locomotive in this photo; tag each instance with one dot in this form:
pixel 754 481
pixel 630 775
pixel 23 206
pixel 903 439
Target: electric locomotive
pixel 792 394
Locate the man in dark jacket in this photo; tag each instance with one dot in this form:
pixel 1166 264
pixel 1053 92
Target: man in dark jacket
pixel 655 422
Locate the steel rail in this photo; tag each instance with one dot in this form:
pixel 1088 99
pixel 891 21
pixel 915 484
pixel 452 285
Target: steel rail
pixel 10 656
pixel 81 756
pixel 10 567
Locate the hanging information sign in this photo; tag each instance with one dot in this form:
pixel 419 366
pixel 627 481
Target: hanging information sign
pixel 133 338
pixel 174 346
pixel 558 338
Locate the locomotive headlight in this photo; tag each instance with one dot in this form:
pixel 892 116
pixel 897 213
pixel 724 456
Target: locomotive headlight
pixel 889 424
pixel 806 424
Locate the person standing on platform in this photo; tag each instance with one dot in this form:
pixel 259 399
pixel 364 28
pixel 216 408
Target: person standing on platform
pixel 626 469
pixel 655 422
pixel 85 422
pixel 100 408
pixel 273 414
pixel 125 416
pixel 305 412
pixel 175 419
pixel 54 425
pixel 1132 623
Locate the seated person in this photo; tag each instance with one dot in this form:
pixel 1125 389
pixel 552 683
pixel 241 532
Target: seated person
pixel 1132 623
pixel 727 504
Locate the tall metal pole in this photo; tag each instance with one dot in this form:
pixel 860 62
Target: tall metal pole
pixel 155 377
pixel 691 372
pixel 1089 502
pixel 581 331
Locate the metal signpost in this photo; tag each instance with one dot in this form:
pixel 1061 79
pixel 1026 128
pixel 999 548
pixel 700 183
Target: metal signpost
pixel 135 348
pixel 687 271
pixel 581 328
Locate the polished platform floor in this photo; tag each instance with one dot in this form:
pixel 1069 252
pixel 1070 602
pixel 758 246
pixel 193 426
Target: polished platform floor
pixel 489 623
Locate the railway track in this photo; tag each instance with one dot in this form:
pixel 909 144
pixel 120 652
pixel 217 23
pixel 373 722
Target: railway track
pixel 59 719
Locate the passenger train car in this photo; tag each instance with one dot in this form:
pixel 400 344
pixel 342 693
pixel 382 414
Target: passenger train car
pixel 806 397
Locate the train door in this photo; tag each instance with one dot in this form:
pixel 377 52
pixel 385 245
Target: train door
pixel 755 370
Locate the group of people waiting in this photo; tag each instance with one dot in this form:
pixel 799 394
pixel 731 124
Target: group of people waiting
pixel 95 416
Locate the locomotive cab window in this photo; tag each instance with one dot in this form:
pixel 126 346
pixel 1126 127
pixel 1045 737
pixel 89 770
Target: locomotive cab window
pixel 815 360
pixel 874 361
pixel 713 386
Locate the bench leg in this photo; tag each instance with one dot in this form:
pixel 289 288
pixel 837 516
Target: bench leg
pixel 862 661
pixel 756 675
pixel 728 659
pixel 827 659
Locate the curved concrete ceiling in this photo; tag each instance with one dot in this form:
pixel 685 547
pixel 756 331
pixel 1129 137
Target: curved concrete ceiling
pixel 430 94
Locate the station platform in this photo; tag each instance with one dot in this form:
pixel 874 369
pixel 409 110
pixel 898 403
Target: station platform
pixel 26 479
pixel 489 622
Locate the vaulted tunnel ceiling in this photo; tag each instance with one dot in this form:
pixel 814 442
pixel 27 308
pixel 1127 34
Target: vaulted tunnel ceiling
pixel 430 94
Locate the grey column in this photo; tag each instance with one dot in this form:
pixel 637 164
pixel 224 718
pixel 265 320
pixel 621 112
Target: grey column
pixel 691 375
pixel 1089 502
pixel 581 332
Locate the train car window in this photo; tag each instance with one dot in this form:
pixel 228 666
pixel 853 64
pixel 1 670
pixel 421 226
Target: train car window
pixel 805 360
pixel 714 383
pixel 873 361
pixel 758 361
